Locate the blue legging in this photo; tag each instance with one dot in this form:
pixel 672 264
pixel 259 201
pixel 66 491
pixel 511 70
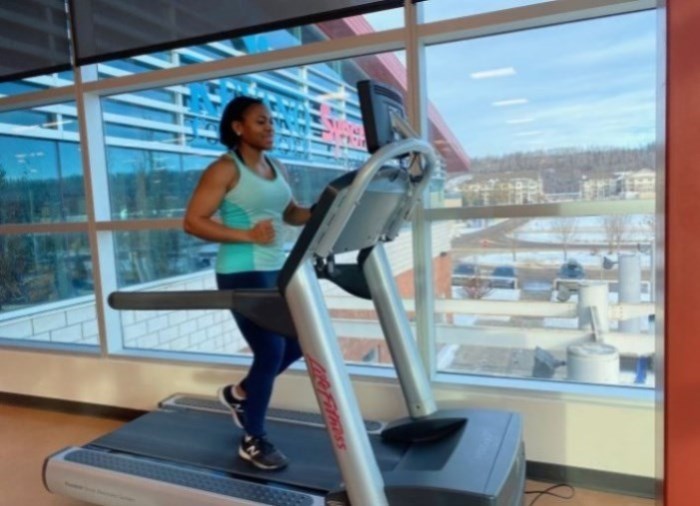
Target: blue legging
pixel 272 353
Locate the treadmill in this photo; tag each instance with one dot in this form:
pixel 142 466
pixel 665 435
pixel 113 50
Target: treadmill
pixel 184 452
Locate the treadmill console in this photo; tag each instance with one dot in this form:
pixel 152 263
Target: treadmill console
pixel 378 103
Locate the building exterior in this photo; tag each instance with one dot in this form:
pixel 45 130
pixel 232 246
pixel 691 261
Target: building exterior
pixel 640 184
pixel 628 185
pixel 484 190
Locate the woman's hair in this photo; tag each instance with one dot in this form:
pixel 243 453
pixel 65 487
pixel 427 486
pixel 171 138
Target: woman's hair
pixel 234 111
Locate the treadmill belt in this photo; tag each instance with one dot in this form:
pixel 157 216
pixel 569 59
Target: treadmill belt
pixel 210 440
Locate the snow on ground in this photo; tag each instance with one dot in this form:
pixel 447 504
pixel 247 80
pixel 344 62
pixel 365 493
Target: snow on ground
pixel 589 231
pixel 585 230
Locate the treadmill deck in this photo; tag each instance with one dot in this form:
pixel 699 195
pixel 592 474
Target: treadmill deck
pixel 210 440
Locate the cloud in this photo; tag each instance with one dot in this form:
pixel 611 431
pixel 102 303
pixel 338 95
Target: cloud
pixel 589 83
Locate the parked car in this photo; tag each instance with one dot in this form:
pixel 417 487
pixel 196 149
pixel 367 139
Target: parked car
pixel 571 269
pixel 504 276
pixel 465 270
pixel 462 273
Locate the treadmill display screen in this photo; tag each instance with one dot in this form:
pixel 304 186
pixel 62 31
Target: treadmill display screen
pixel 378 102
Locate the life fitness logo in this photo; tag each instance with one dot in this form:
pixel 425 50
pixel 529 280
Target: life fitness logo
pixel 330 407
pixel 341 132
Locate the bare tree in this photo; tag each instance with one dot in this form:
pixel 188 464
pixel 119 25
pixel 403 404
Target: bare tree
pixel 515 225
pixel 565 230
pixel 476 287
pixel 617 228
pixel 649 226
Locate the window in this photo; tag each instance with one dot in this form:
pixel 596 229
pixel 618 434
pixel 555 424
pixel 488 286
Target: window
pixel 156 153
pixel 255 44
pixel 41 176
pixel 46 288
pixel 546 124
pixel 575 123
pixel 46 281
pixel 155 156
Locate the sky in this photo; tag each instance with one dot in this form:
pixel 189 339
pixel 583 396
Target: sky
pixel 579 85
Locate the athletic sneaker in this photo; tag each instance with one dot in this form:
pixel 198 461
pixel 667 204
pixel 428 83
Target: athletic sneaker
pixel 234 404
pixel 261 453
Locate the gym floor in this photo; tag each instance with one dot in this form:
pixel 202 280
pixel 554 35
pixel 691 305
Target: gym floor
pixel 28 435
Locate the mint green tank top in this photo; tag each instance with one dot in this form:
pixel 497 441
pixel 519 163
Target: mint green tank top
pixel 253 199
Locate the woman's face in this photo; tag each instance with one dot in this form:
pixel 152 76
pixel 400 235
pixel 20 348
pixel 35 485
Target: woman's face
pixel 256 129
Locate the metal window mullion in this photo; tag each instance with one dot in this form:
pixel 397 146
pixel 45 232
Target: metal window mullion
pixel 139 225
pixel 39 98
pixel 94 160
pixel 557 209
pixel 180 105
pixel 422 240
pixel 43 228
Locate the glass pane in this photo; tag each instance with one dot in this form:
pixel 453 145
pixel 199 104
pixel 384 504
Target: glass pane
pixel 318 137
pixel 153 255
pixel 41 174
pixel 437 10
pixel 211 332
pixel 10 88
pixel 46 288
pixel 156 149
pixel 151 184
pixel 554 114
pixel 254 44
pixel 521 292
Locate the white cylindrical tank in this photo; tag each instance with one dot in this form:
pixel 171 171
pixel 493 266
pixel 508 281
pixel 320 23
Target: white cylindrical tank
pixel 593 363
pixel 593 294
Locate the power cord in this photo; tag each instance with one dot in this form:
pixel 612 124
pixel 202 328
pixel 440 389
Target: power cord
pixel 548 491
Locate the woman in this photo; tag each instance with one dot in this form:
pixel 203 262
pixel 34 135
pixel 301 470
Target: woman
pixel 253 198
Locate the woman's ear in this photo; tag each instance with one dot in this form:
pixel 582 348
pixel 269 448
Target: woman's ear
pixel 237 128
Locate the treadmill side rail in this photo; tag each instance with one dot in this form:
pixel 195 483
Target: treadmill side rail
pixel 334 393
pixel 396 327
pixel 125 486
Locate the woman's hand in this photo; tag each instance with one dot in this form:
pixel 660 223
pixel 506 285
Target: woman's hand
pixel 262 232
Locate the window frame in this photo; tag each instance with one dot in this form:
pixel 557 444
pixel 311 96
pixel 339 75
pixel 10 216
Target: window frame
pixel 412 38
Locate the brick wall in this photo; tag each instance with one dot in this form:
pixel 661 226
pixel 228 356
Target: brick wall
pixel 60 322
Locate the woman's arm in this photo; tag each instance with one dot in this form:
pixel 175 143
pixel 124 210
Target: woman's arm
pixel 216 180
pixel 293 214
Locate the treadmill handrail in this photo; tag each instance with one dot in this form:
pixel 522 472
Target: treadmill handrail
pixel 264 306
pixel 183 299
pixel 364 177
